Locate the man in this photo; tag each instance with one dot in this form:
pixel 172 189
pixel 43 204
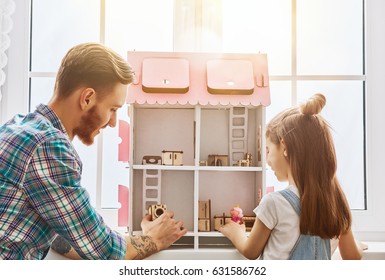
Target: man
pixel 40 172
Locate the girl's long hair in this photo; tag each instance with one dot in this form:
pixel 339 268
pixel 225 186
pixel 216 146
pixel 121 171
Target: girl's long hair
pixel 311 155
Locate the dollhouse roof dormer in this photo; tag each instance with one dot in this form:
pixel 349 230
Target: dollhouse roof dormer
pixel 216 79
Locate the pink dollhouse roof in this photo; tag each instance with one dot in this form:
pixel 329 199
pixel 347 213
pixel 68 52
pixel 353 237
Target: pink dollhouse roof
pixel 197 91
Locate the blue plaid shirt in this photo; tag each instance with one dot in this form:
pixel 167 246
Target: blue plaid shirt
pixel 41 195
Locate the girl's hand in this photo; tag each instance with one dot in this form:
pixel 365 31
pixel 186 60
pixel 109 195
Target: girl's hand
pixel 249 246
pixel 232 230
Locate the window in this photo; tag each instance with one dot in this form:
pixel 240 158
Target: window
pixel 306 53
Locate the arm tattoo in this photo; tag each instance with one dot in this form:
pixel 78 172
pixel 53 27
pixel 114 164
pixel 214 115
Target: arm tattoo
pixel 60 245
pixel 144 246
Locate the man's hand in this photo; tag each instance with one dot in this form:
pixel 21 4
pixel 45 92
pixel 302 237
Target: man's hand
pixel 165 230
pixel 146 224
pixel 157 235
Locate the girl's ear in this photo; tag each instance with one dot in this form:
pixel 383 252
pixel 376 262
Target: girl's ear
pixel 284 148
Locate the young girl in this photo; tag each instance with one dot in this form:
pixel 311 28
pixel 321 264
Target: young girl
pixel 299 150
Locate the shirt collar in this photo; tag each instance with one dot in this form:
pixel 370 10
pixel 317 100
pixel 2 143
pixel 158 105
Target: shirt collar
pixel 47 112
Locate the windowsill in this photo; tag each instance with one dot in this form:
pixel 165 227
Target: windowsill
pixel 375 251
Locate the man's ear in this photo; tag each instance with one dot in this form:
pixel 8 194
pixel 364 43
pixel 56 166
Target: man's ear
pixel 87 98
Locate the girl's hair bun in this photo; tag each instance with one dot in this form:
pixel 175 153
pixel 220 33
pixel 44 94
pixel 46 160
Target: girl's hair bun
pixel 313 105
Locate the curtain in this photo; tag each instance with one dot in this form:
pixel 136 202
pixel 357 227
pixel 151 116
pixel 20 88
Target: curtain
pixel 7 7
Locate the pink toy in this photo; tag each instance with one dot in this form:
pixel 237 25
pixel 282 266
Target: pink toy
pixel 236 214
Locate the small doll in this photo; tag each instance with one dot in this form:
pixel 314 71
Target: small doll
pixel 236 214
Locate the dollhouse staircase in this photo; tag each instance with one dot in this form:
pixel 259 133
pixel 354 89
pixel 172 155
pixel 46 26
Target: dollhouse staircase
pixel 238 134
pixel 151 187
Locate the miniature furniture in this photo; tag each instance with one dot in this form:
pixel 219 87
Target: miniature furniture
pixel 201 104
pixel 204 215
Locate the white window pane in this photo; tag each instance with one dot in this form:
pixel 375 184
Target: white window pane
pixel 344 112
pixel 330 37
pixel 280 95
pixel 59 25
pixel 330 42
pixel 272 183
pixel 145 25
pixel 250 26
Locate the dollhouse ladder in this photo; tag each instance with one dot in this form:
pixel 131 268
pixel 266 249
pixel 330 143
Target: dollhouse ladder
pixel 151 188
pixel 238 134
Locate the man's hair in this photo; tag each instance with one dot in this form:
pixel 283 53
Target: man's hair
pixel 91 65
pixel 311 155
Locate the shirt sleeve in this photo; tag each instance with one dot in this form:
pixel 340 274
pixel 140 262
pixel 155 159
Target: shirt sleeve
pixel 267 211
pixel 54 191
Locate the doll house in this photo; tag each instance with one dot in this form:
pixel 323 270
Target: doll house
pixel 197 122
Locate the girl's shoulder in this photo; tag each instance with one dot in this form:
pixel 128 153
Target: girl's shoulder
pixel 276 202
pixel 270 202
pixel 271 197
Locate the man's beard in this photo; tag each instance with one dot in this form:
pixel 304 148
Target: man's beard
pixel 89 123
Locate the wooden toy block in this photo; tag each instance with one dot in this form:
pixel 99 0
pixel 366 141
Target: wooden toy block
pixel 204 209
pixel 218 160
pixel 172 157
pixel 249 222
pixel 220 220
pixel 204 225
pixel 152 160
pixel 156 210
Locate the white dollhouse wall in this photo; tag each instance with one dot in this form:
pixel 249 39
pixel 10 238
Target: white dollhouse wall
pixel 224 188
pixel 155 131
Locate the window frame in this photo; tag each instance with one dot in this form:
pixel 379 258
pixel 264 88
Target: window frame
pixel 294 78
pixel 367 224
